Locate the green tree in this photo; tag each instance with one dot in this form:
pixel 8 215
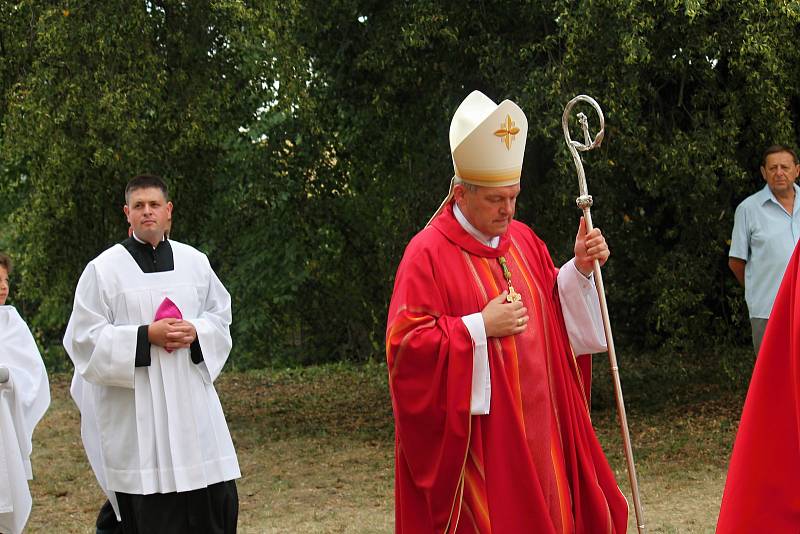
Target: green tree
pixel 692 91
pixel 102 92
pixel 306 142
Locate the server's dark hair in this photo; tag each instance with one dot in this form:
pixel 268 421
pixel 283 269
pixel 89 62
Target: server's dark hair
pixel 145 181
pixel 5 261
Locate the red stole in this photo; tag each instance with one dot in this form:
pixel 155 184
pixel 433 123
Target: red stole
pixel 534 462
pixel 762 492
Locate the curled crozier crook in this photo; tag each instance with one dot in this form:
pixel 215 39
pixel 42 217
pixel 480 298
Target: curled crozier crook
pixel 585 198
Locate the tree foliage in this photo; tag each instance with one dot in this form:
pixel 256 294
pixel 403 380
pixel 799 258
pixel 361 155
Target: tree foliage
pixel 306 142
pixel 97 93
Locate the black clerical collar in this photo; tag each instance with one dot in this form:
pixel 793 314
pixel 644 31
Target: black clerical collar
pixel 149 259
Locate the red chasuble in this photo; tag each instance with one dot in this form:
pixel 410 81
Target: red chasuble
pixel 762 493
pixel 534 463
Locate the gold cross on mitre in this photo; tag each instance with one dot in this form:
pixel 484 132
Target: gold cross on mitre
pixel 507 132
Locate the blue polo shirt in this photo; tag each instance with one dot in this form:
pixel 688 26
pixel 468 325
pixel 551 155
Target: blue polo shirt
pixel 764 235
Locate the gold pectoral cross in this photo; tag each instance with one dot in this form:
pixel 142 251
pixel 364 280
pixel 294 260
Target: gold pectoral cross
pixel 512 296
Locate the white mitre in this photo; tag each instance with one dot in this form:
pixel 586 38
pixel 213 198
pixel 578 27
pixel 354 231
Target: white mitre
pixel 487 142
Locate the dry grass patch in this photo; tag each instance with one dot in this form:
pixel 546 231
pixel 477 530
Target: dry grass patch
pixel 316 449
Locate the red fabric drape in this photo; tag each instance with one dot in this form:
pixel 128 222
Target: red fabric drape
pixel 762 492
pixel 534 463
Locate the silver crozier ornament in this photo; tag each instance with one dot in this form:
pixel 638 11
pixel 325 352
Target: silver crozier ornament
pixel 584 202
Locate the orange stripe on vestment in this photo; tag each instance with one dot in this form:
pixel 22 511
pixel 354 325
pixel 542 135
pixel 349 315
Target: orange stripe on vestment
pixel 458 498
pixel 515 252
pixel 478 280
pixel 467 518
pixel 562 481
pixel 539 313
pixel 401 331
pixel 475 496
pixel 535 308
pixel 507 347
pixel 407 318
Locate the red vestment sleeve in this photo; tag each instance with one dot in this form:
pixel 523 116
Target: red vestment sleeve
pixel 429 357
pixel 762 492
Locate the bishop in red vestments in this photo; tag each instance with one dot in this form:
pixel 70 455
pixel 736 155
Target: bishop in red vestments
pixel 762 492
pixel 491 408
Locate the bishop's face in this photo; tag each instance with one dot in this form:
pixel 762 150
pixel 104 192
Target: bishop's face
pixel 4 287
pixel 149 214
pixel 488 209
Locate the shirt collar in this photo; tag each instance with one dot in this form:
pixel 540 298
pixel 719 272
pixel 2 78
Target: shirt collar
pixel 474 232
pixel 133 234
pixel 766 194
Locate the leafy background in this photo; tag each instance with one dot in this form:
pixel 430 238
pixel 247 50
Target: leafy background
pixel 305 142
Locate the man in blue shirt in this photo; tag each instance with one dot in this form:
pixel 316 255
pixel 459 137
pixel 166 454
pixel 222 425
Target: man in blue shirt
pixel 765 230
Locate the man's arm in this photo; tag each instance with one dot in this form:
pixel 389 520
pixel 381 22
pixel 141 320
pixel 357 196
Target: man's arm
pixel 102 353
pixel 581 309
pixel 211 335
pixel 497 319
pixel 578 295
pixel 737 265
pixel 739 252
pixel 26 378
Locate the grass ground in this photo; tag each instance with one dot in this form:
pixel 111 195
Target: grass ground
pixel 316 446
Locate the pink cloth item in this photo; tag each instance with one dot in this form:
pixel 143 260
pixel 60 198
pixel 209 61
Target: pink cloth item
pixel 167 310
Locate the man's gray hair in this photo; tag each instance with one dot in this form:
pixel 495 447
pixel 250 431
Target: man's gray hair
pixel 775 149
pixel 472 188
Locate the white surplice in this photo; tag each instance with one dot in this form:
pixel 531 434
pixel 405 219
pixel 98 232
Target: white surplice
pixel 158 428
pixel 23 401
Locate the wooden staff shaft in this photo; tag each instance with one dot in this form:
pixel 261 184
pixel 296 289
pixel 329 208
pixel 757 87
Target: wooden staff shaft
pixel 612 359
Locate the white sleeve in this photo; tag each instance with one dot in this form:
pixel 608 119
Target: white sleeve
pixel 581 308
pixel 213 328
pixel 23 401
pixel 481 380
pixel 27 385
pixel 740 236
pixel 103 353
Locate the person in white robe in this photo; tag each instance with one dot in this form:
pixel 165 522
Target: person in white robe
pixel 24 398
pixel 148 335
